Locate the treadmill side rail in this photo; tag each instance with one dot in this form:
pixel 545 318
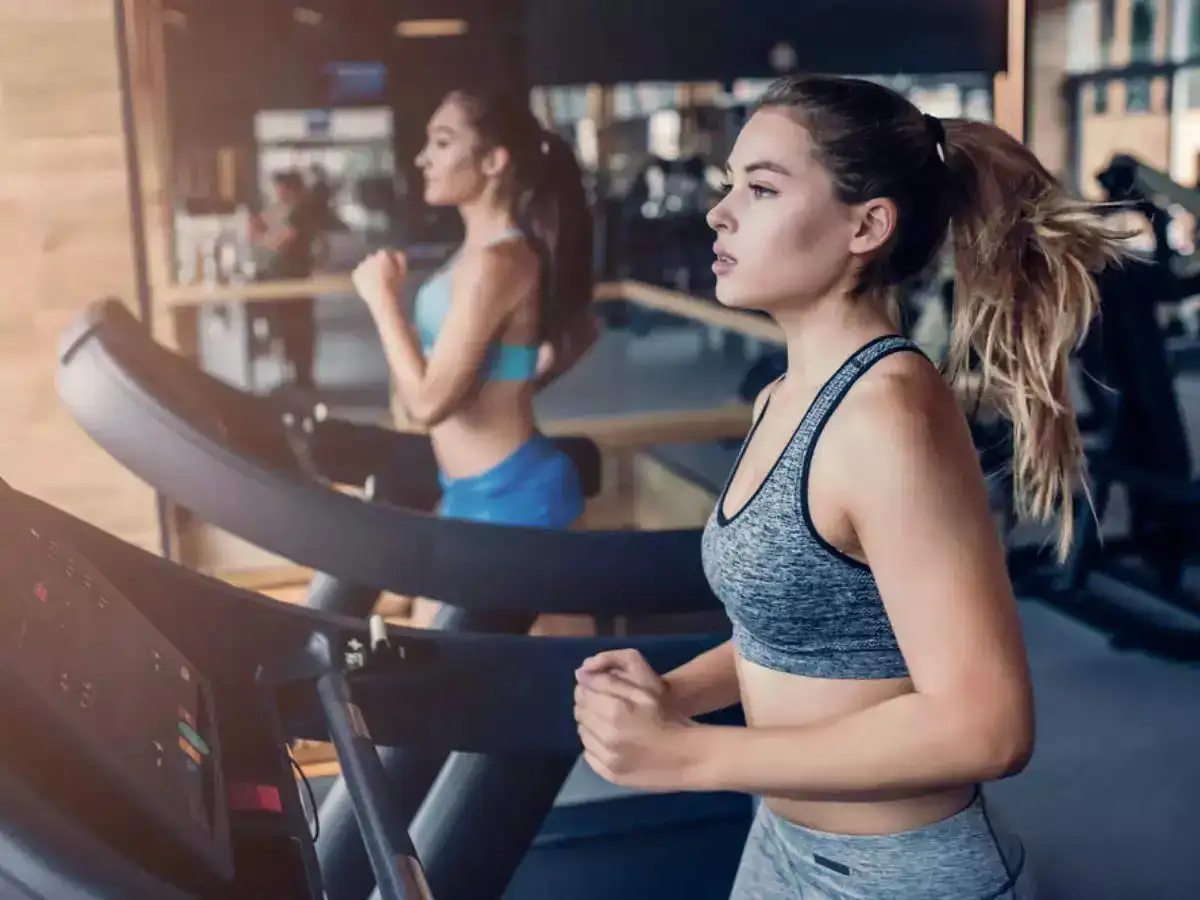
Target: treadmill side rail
pixel 412 876
pixel 398 871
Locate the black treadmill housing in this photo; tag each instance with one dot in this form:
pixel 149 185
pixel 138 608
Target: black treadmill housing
pixel 246 643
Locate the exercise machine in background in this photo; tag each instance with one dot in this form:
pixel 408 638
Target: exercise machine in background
pixel 1166 205
pixel 1127 573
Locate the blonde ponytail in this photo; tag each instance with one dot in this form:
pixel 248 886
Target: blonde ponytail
pixel 1025 252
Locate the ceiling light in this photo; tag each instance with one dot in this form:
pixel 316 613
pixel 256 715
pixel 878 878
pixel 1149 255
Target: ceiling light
pixel 306 16
pixel 431 28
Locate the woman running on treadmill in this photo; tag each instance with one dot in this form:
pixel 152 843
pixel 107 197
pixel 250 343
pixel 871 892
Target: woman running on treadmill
pixel 876 650
pixel 506 315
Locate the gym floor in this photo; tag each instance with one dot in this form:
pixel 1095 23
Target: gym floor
pixel 1109 807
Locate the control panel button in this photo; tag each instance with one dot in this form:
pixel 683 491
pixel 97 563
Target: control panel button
pixel 192 753
pixel 189 734
pixel 355 656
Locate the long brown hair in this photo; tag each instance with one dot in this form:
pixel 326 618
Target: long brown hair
pixel 549 199
pixel 1025 252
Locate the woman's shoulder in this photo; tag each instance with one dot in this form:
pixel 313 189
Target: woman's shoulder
pixel 902 401
pixel 510 256
pixel 505 267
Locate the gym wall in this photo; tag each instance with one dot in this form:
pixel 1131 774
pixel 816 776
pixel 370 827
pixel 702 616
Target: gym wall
pixel 65 239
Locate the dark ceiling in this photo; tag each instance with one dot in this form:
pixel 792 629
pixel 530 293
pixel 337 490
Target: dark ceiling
pixel 607 41
pixel 572 41
pixel 229 58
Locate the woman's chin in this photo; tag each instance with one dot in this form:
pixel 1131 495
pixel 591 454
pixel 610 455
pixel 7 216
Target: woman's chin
pixel 435 197
pixel 729 295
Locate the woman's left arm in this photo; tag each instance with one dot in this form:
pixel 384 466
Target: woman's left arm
pixel 919 509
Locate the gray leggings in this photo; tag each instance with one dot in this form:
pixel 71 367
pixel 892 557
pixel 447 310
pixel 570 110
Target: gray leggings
pixel 968 856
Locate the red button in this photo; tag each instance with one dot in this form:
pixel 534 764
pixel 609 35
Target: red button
pixel 39 591
pixel 254 798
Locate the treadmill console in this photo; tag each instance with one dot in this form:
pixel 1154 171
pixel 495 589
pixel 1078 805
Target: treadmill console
pixel 103 716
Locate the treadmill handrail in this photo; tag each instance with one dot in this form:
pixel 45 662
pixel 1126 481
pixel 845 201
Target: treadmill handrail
pixel 239 635
pixel 460 691
pixel 398 871
pixel 471 565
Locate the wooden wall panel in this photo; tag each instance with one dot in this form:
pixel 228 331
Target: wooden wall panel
pixel 64 241
pixel 1009 86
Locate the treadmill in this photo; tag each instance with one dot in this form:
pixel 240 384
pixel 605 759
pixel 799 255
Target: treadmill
pixel 148 710
pixel 268 472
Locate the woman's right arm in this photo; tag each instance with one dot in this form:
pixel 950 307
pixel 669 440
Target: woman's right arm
pixel 705 684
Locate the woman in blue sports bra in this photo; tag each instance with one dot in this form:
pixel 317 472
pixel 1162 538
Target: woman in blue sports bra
pixel 506 315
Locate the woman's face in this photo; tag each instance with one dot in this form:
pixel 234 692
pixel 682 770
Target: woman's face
pixel 783 238
pixel 450 161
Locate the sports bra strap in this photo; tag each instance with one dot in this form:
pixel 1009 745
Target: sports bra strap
pixel 835 389
pixel 507 234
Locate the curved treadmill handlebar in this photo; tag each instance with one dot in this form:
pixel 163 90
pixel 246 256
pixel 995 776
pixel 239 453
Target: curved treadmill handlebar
pixel 228 456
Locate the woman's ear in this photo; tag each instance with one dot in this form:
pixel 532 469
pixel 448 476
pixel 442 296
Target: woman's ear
pixel 874 223
pixel 495 162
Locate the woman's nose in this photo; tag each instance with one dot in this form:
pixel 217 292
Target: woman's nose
pixel 718 217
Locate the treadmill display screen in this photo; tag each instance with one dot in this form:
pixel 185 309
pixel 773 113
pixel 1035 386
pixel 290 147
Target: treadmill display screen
pixel 115 724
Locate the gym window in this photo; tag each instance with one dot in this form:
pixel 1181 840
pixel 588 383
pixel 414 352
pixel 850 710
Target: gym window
pixel 1141 50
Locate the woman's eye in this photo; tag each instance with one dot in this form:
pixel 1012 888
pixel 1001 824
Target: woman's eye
pixel 757 190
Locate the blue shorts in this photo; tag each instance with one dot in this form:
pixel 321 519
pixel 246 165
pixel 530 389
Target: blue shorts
pixel 537 486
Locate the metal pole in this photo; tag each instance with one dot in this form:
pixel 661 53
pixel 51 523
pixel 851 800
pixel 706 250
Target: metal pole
pixel 137 225
pixel 397 870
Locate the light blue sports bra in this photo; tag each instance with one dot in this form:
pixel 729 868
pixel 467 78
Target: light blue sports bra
pixel 505 362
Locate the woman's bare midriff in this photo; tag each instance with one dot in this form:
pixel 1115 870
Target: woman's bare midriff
pixel 776 699
pixel 494 424
pixel 497 418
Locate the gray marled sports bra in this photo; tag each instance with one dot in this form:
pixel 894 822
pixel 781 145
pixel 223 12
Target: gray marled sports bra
pixel 797 603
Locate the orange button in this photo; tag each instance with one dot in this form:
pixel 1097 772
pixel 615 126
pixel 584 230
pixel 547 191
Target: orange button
pixel 191 751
